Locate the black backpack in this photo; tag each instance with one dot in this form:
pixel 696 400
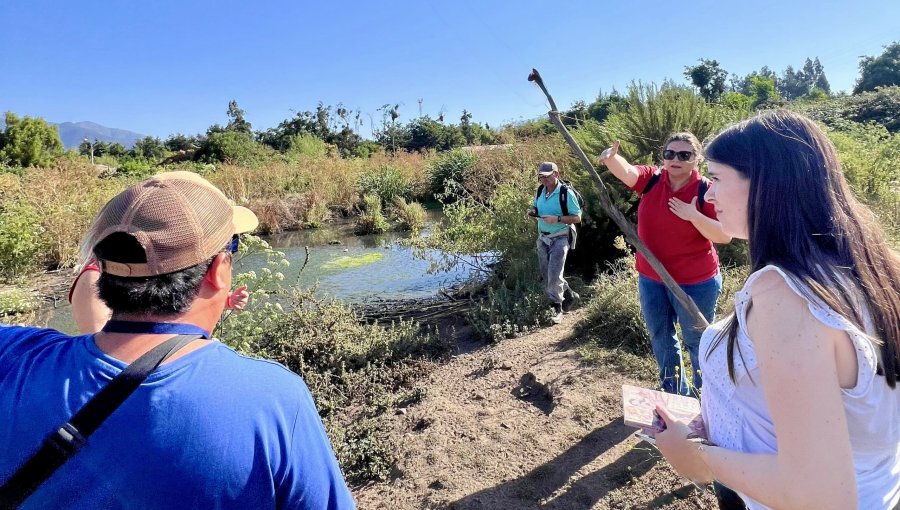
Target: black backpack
pixel 701 192
pixel 564 188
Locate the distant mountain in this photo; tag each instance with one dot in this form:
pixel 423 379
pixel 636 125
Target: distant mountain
pixel 73 133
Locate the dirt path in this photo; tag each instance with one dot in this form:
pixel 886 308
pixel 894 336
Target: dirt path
pixel 523 424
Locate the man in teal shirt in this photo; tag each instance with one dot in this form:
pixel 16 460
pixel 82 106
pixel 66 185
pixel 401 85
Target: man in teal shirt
pixel 554 232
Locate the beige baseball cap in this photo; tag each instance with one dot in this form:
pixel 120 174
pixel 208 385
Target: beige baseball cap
pixel 179 218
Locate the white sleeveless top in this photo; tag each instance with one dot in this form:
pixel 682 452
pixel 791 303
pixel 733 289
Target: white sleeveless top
pixel 737 417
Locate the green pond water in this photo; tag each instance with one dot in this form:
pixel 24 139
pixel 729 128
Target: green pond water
pixel 358 270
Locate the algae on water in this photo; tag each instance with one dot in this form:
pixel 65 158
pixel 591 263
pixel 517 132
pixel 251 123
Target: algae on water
pixel 349 262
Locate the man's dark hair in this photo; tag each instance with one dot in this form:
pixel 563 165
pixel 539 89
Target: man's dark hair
pixel 167 294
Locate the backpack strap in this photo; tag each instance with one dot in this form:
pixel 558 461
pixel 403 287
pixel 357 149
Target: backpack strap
pixel 702 188
pixel 647 187
pixel 564 197
pixel 65 441
pixel 539 191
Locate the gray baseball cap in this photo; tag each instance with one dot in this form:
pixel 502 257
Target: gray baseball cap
pixel 547 168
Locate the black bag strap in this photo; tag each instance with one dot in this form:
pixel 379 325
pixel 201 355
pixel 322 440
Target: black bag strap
pixel 564 197
pixel 647 187
pixel 64 442
pixel 701 193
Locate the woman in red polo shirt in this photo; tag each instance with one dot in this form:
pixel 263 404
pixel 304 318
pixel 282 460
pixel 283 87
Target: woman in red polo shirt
pixel 681 235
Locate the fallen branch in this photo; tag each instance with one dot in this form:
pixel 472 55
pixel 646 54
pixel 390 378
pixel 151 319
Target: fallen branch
pixel 610 209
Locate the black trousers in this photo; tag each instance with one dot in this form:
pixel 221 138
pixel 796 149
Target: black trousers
pixel 727 498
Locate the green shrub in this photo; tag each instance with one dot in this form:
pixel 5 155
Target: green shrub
pixel 511 308
pixel 362 450
pixel 409 216
pixel 366 149
pixel 448 173
pixel 29 141
pixel 306 145
pixel 870 159
pixel 613 331
pixel 650 115
pixel 881 107
pixel 372 220
pixel 140 168
pixel 21 239
pixel 735 253
pixel 234 147
pixel 16 301
pixel 613 314
pixel 385 182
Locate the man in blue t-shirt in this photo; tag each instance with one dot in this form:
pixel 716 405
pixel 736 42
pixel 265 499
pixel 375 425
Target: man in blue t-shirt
pixel 554 233
pixel 209 428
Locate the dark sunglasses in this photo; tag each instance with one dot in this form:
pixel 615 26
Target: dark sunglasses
pixel 669 155
pixel 233 246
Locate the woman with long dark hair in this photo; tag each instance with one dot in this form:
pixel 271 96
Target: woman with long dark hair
pixel 800 396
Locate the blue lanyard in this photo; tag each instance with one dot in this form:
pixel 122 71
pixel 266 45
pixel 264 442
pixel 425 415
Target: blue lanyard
pixel 154 328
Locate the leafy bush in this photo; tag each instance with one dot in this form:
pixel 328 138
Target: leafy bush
pixel 15 301
pixel 613 331
pixel 21 239
pixel 613 317
pixel 234 147
pixel 140 168
pixel 870 159
pixel 650 115
pixel 29 141
pixel 372 220
pixel 511 308
pixel 306 144
pixel 881 106
pixel 409 216
pixel 449 171
pixel 385 182
pixel 366 149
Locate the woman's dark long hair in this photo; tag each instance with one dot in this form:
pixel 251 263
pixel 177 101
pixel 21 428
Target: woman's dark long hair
pixel 803 218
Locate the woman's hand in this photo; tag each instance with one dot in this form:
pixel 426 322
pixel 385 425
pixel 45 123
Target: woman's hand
pixel 238 299
pixel 682 454
pixel 684 210
pixel 609 153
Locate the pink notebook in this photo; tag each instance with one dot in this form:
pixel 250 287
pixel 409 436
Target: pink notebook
pixel 639 407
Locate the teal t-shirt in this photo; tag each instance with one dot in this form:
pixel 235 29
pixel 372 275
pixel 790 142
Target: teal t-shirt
pixel 549 206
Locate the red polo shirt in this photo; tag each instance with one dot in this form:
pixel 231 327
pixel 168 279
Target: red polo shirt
pixel 684 252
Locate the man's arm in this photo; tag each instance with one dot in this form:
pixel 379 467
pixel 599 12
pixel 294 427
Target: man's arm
pixel 313 478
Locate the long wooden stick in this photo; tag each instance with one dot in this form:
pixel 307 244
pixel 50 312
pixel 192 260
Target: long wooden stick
pixel 610 209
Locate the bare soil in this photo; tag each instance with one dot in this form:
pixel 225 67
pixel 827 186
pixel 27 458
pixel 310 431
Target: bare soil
pixel 525 424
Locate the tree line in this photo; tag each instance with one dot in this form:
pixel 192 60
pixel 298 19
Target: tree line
pixel 336 129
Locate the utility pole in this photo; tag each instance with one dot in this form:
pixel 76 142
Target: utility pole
pixel 420 108
pixel 91 146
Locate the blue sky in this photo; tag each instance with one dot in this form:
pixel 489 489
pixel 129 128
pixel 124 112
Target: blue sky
pixel 162 67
